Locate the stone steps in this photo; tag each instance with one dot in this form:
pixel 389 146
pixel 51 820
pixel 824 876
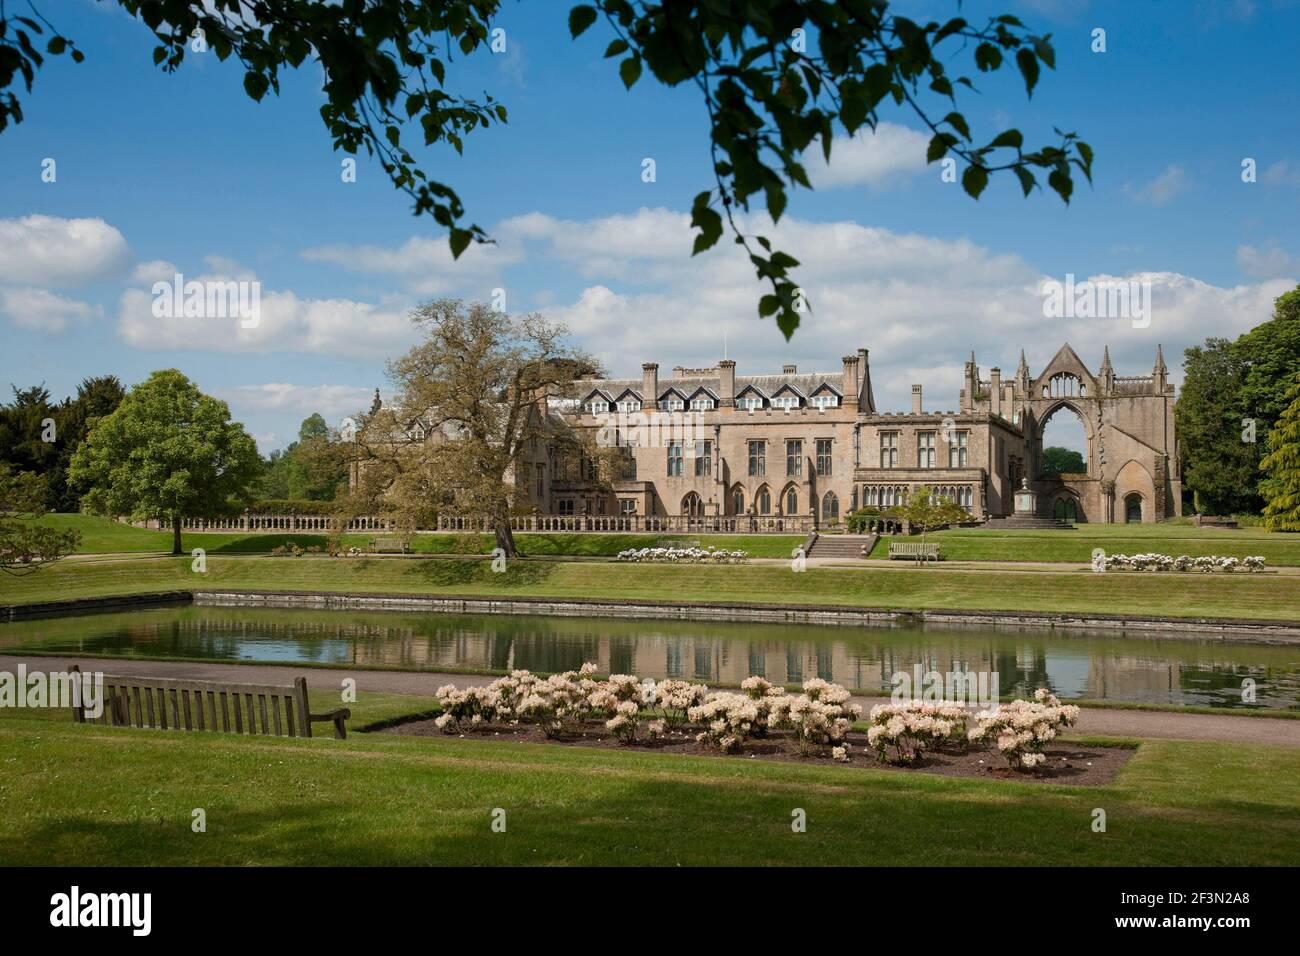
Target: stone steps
pixel 841 545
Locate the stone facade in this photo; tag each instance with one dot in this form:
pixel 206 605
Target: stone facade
pixel 815 445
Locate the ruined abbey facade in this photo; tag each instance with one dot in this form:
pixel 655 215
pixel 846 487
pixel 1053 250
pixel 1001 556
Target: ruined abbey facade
pixel 814 444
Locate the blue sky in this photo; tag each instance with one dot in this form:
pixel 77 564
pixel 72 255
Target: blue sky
pixel 156 171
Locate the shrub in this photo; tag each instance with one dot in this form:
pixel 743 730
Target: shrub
pixel 820 716
pixel 728 718
pixel 684 555
pixel 1022 728
pixel 1163 562
pixel 676 697
pixel 901 733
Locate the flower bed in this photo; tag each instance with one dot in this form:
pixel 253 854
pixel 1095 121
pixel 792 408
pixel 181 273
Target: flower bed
pixel 759 719
pixel 684 555
pixel 1163 562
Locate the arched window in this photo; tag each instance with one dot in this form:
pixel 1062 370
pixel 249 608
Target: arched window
pixel 830 507
pixel 738 501
pixel 791 502
pixel 693 506
pixel 764 500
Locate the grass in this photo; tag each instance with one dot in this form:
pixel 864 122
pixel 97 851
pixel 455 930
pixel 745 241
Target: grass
pixel 93 795
pixel 103 536
pixel 1254 596
pixel 977 544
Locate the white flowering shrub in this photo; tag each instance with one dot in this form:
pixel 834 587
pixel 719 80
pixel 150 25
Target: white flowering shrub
pixel 821 716
pixel 1163 562
pixel 676 697
pixel 1022 728
pixel 901 733
pixel 728 720
pixel 625 723
pixel 684 555
pixel 771 702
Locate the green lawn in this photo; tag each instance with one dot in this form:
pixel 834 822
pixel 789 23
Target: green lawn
pixel 1257 596
pixel 976 544
pixel 93 795
pixel 103 536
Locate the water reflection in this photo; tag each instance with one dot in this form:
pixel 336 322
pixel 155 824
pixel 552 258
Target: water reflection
pixel 1074 665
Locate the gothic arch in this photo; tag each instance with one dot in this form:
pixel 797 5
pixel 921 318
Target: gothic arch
pixel 1133 480
pixel 1080 406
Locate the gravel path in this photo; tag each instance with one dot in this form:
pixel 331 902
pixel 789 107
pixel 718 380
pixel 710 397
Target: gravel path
pixel 1094 720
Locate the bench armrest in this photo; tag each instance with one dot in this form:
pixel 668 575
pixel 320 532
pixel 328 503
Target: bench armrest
pixel 336 717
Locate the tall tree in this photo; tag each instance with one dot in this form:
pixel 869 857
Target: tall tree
pixel 1282 465
pixel 1063 461
pixel 774 77
pixel 1220 469
pixel 96 397
pixel 477 389
pixel 26 545
pixel 168 452
pixel 1270 358
pixel 317 462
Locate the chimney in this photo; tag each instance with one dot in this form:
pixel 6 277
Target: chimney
pixel 726 383
pixel 866 398
pixel 995 392
pixel 650 385
pixel 849 385
pixel 1009 400
pixel 916 400
pixel 788 370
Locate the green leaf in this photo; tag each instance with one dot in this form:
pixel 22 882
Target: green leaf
pixel 255 85
pixel 787 322
pixel 616 47
pixel 630 70
pixel 56 45
pixel 1011 137
pixel 581 17
pixel 974 180
pixel 1028 64
pixel 1062 183
pixel 709 222
pixel 768 305
pixel 958 122
pixel 459 240
pixel 1027 181
pixel 939 144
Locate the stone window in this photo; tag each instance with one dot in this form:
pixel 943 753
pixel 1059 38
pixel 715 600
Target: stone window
pixel 889 450
pixel 763 501
pixel 786 401
pixel 627 506
pixel 541 481
pixel 749 403
pixel 794 458
pixel 830 507
pixel 701 404
pixel 757 459
pixel 671 404
pixel 675 458
pixel 629 405
pixel 738 501
pixel 598 406
pixel 703 458
pixel 824 446
pixel 791 502
pixel 825 400
pixel 565 506
pixel 925 449
pixel 957 450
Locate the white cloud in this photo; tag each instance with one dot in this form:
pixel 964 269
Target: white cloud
pixel 287 323
pixel 155 270
pixel 1282 173
pixel 1159 191
pixel 329 400
pixel 425 265
pixel 42 310
pixel 880 159
pixel 1266 262
pixel 920 304
pixel 49 251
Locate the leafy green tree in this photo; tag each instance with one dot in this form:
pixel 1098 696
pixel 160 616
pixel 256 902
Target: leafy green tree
pixel 1063 461
pixel 1270 358
pixel 926 511
pixel 775 77
pixel 26 545
pixel 168 452
pixel 96 397
pixel 23 426
pixel 1219 468
pixel 1282 465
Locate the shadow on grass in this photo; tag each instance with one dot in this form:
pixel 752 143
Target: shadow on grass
pixel 471 574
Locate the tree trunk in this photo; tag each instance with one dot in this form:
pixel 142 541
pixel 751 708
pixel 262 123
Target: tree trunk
pixel 505 537
pixel 176 534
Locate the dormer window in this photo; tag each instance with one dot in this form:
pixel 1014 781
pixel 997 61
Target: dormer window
pixel 597 406
pixel 751 403
pixel 786 401
pixel 417 433
pixel 671 404
pixel 701 404
pixel 629 405
pixel 825 400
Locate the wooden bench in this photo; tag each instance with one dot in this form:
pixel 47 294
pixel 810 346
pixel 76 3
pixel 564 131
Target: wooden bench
pixel 396 545
pixel 256 709
pixel 914 551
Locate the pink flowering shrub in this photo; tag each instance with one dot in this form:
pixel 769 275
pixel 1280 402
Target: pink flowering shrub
pixel 728 719
pixel 901 733
pixel 821 716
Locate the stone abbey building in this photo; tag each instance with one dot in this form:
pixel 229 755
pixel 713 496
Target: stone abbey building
pixel 814 445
